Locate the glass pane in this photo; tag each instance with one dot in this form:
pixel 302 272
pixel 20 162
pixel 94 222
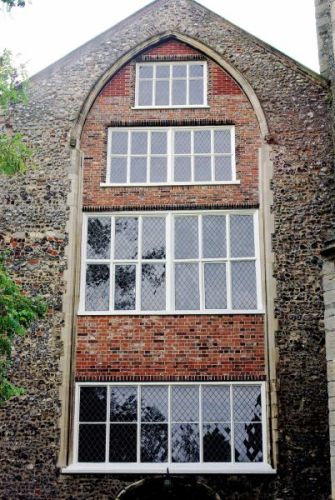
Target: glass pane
pixel 97 288
pixel 98 237
pixel 202 141
pixel 186 237
pixel 182 169
pixel 185 403
pixel 125 294
pixel 214 236
pixel 242 236
pixel 244 294
pixel 145 93
pixel 123 443
pixel 162 71
pixel 159 143
pixel 196 70
pixel 154 443
pixel 138 169
pixel 202 168
pixel 158 169
pixel 119 143
pixel 185 443
pixel 178 92
pixel 92 443
pixel 146 71
pixel 154 404
pixel 118 170
pixel 179 71
pixel 196 92
pixel 162 93
pixel 126 235
pixel 187 287
pixel 153 239
pixel 248 442
pixel 217 447
pixel 182 142
pixel 123 404
pixel 223 168
pixel 247 404
pixel 153 287
pixel 93 401
pixel 216 403
pixel 215 286
pixel 222 141
pixel 139 143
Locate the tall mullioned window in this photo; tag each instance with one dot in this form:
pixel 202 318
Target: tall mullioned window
pixel 173 155
pixel 171 84
pixel 176 262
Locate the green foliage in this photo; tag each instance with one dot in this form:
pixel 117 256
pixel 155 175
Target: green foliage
pixel 13 3
pixel 17 312
pixel 13 82
pixel 15 155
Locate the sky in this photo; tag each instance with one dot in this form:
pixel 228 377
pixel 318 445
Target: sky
pixel 46 30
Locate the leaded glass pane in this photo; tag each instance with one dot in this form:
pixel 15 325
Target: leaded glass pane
pixel 158 143
pixel 154 443
pixel 247 403
pixel 119 143
pixel 153 291
pixel 187 287
pixel 214 236
pixel 196 70
pixel 146 71
pixel 118 170
pixel 126 237
pixel 242 236
pixel 248 442
pixel 179 71
pixel 223 168
pixel 158 169
pixel 222 141
pixel 196 92
pixel 98 237
pixel 138 169
pixel 185 403
pixel 186 237
pixel 97 287
pixel 153 238
pixel 216 403
pixel 154 404
pixel 162 93
pixel 215 286
pixel 92 443
pixel 182 142
pixel 123 406
pixel 182 169
pixel 244 295
pixel 216 439
pixel 162 71
pixel 123 443
pixel 185 443
pixel 202 168
pixel 178 92
pixel 125 292
pixel 202 141
pixel 93 404
pixel 145 93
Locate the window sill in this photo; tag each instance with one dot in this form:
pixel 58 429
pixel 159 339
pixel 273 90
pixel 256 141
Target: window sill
pixel 172 184
pixel 185 106
pixel 170 313
pixel 208 468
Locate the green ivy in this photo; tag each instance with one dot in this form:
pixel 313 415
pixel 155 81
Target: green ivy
pixel 15 155
pixel 17 312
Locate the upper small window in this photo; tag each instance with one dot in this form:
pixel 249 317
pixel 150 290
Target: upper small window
pixel 173 85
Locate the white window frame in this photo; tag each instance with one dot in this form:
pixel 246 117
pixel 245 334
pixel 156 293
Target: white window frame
pixel 183 468
pixel 170 156
pixel 187 78
pixel 169 262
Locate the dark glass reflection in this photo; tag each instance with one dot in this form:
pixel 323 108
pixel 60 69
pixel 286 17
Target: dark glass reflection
pixel 98 237
pixel 123 404
pixel 154 443
pixel 92 443
pixel 123 439
pixel 97 287
pixel 154 404
pixel 125 294
pixel 248 442
pixel 216 439
pixel 93 404
pixel 185 443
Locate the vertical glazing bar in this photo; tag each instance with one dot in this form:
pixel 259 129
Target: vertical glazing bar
pixel 138 452
pixel 108 388
pixel 201 447
pixel 232 431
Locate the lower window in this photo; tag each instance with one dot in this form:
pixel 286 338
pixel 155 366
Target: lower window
pixel 170 425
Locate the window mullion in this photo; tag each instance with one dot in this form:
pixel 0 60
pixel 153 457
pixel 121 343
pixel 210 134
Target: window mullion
pixel 169 426
pixel 138 451
pixel 228 269
pixel 170 84
pixel 201 265
pixel 111 267
pixel 139 266
pixel 232 430
pixel 148 156
pixel 108 423
pixel 128 156
pixel 187 84
pixel 201 449
pixel 212 156
pixel 192 155
pixel 168 263
pixel 172 293
pixel 170 154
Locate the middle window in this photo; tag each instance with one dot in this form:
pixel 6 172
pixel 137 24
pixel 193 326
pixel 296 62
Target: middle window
pixel 171 262
pixel 175 155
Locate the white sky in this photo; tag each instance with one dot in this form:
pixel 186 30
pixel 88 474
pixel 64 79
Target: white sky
pixel 46 30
